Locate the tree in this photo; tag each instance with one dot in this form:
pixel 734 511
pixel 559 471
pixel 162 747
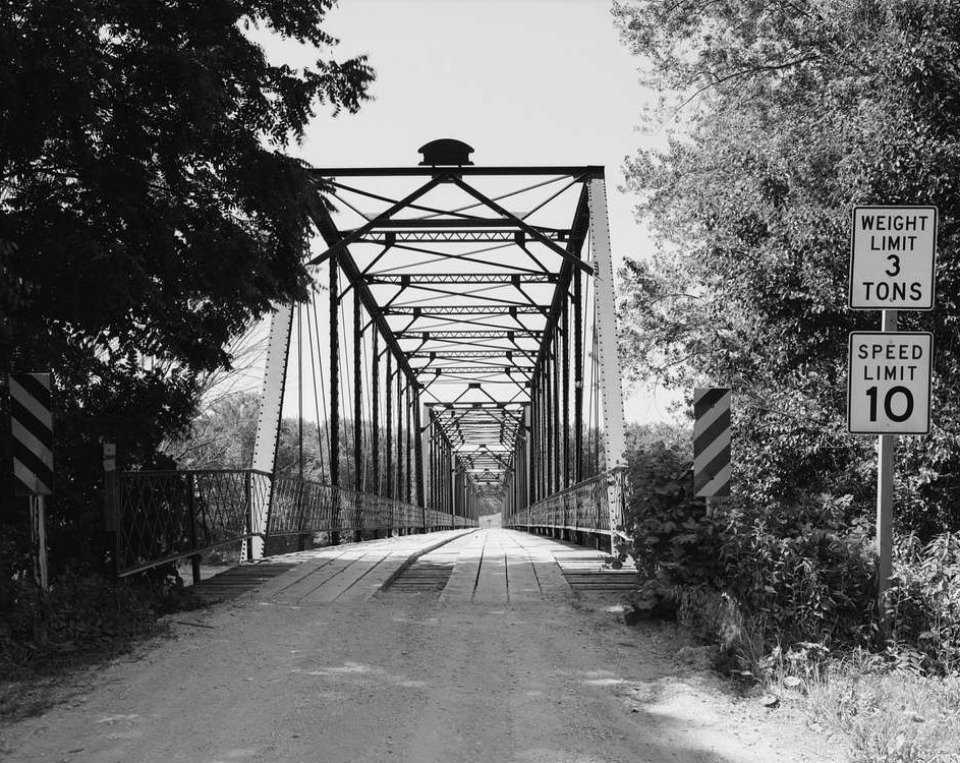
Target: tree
pixel 147 208
pixel 794 112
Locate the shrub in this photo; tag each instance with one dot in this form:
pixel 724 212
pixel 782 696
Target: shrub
pixel 925 601
pixel 753 578
pixel 82 612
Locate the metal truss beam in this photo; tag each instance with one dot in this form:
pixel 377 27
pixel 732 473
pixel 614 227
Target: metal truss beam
pixel 427 336
pixel 383 238
pixel 583 173
pixel 436 226
pixel 414 279
pixel 426 312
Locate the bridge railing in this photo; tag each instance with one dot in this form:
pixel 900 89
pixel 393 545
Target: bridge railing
pixel 302 506
pixel 583 507
pixel 163 516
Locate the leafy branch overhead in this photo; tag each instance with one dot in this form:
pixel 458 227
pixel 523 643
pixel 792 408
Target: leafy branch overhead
pixel 148 210
pixel 142 175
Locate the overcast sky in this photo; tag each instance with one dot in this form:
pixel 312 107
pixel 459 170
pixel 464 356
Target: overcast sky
pixel 522 81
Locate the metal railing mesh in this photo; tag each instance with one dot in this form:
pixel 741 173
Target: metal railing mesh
pixel 163 516
pixel 584 506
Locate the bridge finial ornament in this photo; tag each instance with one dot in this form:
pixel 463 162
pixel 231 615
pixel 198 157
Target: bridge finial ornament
pixel 447 152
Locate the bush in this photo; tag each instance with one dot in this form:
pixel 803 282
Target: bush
pixel 755 579
pixel 82 613
pixel 925 601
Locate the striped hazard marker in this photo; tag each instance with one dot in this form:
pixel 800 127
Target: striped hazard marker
pixel 711 442
pixel 32 423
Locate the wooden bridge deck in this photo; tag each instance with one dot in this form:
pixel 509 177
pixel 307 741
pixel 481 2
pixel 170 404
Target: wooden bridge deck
pixel 486 566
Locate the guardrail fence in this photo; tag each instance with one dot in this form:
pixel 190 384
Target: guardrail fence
pixel 163 516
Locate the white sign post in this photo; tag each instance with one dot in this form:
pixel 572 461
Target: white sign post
pixel 892 260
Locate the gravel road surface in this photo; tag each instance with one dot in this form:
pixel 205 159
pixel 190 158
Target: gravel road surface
pixel 466 673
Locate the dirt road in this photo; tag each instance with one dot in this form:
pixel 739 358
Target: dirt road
pixel 544 676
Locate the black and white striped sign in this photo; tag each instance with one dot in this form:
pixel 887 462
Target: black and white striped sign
pixel 32 423
pixel 711 442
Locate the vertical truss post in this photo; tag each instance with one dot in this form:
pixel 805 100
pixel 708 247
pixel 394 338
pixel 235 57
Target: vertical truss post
pixel 418 447
pixel 611 391
pixel 555 391
pixel 407 443
pixel 433 443
pixel 357 398
pixel 578 377
pixel 451 487
pixel 526 486
pixel 550 399
pixel 388 478
pixel 358 464
pixel 530 419
pixel 375 392
pixel 400 459
pixel 565 378
pixel 268 421
pixel 334 423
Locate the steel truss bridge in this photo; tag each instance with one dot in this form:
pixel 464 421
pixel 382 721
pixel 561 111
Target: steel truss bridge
pixel 457 346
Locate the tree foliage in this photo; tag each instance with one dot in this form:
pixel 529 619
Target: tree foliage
pixel 792 113
pixel 148 211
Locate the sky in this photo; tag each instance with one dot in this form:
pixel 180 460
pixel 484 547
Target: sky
pixel 524 82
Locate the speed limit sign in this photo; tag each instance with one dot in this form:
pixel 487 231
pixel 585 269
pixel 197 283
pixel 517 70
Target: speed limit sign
pixel 888 390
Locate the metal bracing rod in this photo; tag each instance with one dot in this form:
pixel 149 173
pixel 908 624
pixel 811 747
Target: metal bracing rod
pixel 334 372
pixel 346 203
pixel 528 229
pixel 386 248
pixel 483 364
pixel 565 406
pixel 464 278
pixel 444 324
pixel 501 197
pixel 378 197
pixel 581 225
pixel 550 198
pixel 349 238
pixel 577 332
pixel 375 392
pixel 477 294
pixel 357 400
pixel 388 481
pixel 324 223
pixel 433 255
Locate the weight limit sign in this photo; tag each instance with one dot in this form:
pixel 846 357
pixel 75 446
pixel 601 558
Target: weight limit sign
pixel 888 390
